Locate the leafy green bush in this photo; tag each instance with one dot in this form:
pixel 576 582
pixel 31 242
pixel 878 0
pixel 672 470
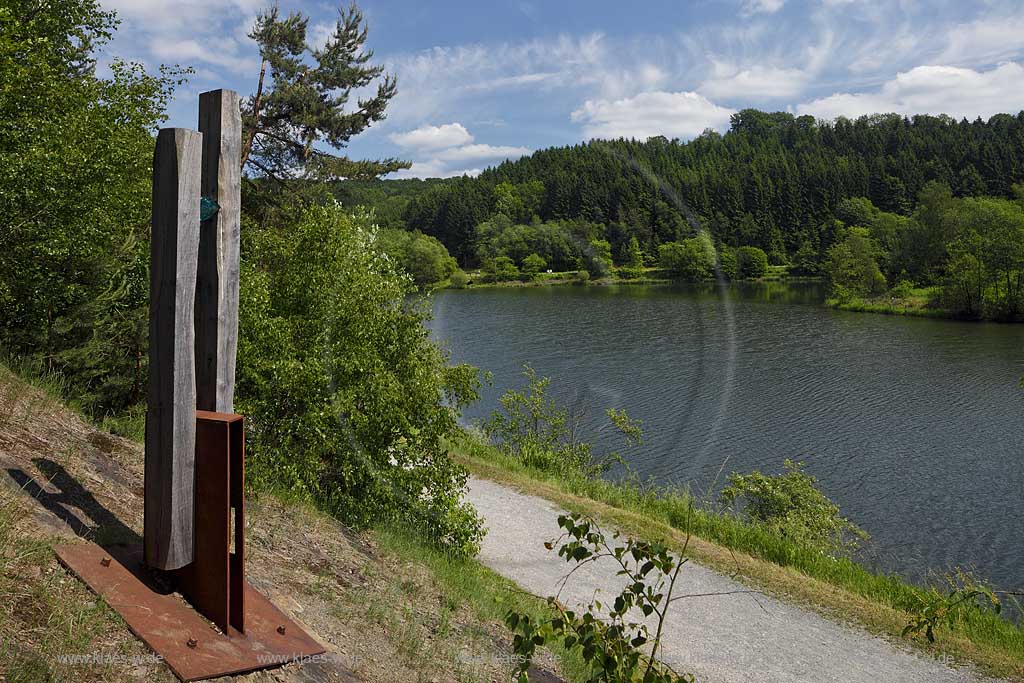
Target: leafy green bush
pixel 421 256
pixel 533 264
pixel 903 289
pixel 852 266
pixel 792 506
pixel 608 641
pixel 751 262
pixel 458 280
pixel 727 262
pixel 348 401
pixel 691 259
pixel 535 429
pixel 597 258
pixel 76 152
pixel 582 277
pixel 500 269
pixel 965 596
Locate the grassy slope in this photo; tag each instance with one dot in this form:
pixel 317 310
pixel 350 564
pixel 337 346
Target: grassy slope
pixel 388 608
pixel 839 588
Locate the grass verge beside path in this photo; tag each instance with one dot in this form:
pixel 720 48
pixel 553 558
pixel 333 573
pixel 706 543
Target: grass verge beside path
pixel 839 588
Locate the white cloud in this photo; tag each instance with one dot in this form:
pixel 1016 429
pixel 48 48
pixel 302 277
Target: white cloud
pixel 434 169
pixel 161 15
pixel 433 137
pixel 448 150
pixel 439 79
pixel 762 6
pixel 435 82
pixel 754 82
pixel 198 33
pixel 317 35
pixel 672 114
pixel 951 90
pixel 480 152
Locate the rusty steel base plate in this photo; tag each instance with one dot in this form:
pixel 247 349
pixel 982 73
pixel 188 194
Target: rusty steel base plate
pixel 188 643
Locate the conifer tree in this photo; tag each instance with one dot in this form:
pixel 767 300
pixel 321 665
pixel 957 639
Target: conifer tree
pixel 303 98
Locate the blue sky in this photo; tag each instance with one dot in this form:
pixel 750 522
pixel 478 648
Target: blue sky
pixel 488 80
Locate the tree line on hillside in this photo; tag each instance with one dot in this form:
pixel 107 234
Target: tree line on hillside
pixel 773 181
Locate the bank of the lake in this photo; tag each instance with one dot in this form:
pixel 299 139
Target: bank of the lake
pixel 910 424
pixel 920 302
pixel 651 276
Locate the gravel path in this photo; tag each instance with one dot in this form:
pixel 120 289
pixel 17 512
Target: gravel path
pixel 721 639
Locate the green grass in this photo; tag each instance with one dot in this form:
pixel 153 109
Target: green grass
pixel 468 584
pixel 540 280
pixel 652 275
pixel 880 602
pixel 19 399
pixel 46 613
pixel 917 302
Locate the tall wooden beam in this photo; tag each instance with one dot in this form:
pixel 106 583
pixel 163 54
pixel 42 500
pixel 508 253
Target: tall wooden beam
pixel 216 317
pixel 171 412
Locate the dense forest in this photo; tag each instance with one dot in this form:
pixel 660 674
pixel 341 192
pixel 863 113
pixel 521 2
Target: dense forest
pixel 772 181
pixel 881 204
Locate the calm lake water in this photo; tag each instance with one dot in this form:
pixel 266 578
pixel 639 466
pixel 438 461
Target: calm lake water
pixel 912 425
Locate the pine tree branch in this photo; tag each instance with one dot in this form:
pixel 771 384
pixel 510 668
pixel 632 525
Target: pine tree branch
pixel 256 104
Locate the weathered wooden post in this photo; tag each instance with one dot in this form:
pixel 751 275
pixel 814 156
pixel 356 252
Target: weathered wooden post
pixel 171 416
pixel 216 322
pixel 215 582
pixel 195 445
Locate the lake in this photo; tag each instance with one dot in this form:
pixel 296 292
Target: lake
pixel 912 425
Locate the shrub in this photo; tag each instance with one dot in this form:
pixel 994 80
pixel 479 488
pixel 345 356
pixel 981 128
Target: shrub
pixel 500 269
pixel 852 266
pixel 582 276
pixel 534 429
pixel 597 258
pixel 458 279
pixel 751 262
pixel 964 596
pixel 532 265
pixel 903 289
pixel 691 259
pixel 609 641
pixel 727 262
pixel 349 402
pixel 792 506
pixel 421 256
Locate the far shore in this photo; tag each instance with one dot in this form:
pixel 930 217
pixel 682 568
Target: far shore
pixel 917 303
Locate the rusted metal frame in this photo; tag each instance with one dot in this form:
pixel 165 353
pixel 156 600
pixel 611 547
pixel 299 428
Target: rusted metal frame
pixel 188 643
pixel 214 582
